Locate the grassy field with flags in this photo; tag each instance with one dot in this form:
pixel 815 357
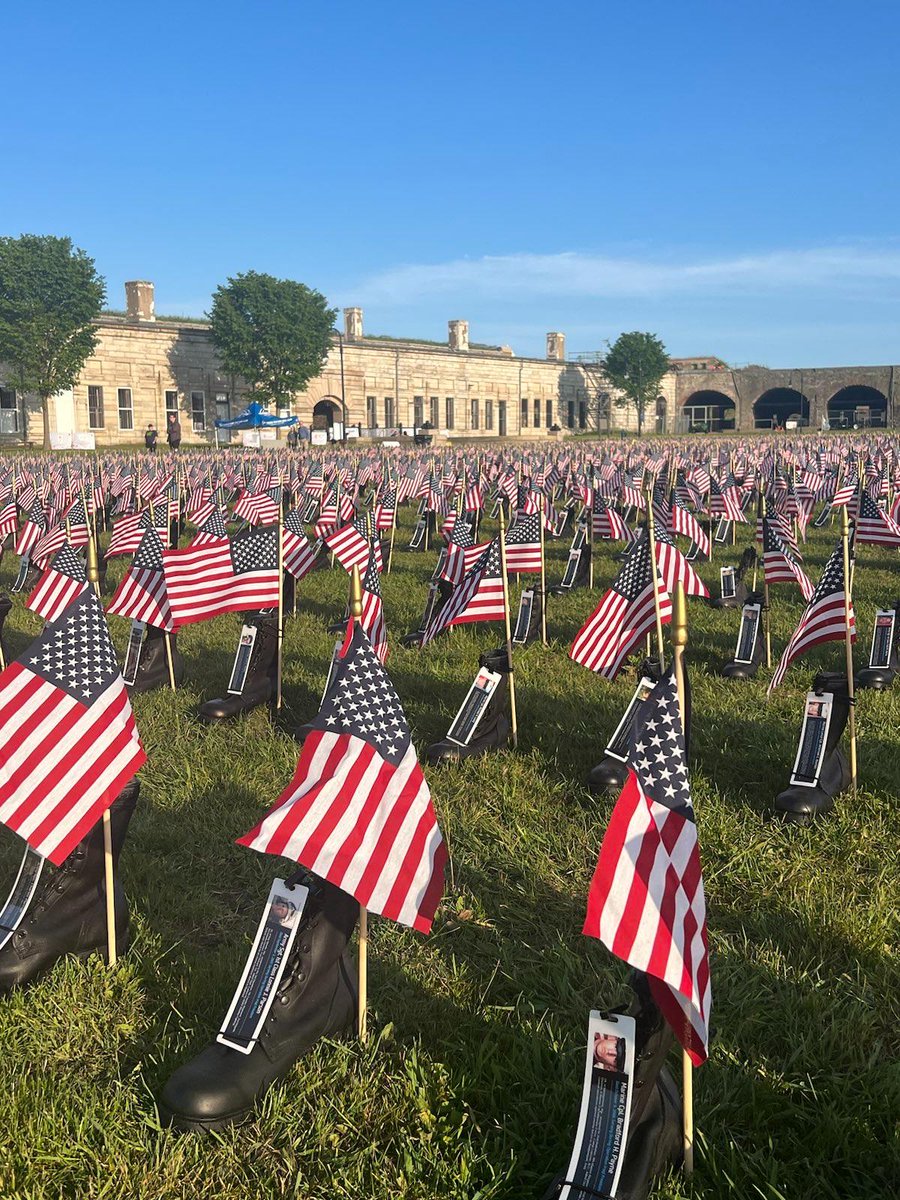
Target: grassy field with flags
pixel 468 1087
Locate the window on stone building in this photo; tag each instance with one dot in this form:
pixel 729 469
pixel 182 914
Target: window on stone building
pixel 371 412
pixel 418 411
pixel 449 412
pixel 198 411
pixel 549 420
pixel 473 421
pixel 537 413
pixel 126 412
pixel 389 411
pixel 570 414
pixel 489 414
pixel 435 417
pixel 523 419
pixel 95 407
pixel 9 411
pixel 223 407
pixel 171 402
pixel 582 414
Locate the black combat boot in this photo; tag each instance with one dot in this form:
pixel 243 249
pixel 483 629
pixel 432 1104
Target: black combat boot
pixel 439 593
pixel 654 1131
pixel 800 804
pixel 262 675
pixel 610 773
pixel 153 665
pixel 756 653
pixel 316 998
pixel 493 730
pixel 67 914
pixel 5 609
pixel 525 635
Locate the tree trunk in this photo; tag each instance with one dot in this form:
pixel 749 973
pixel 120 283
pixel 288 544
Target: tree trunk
pixel 45 413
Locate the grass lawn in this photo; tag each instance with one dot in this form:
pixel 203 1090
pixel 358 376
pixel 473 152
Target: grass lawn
pixel 469 1084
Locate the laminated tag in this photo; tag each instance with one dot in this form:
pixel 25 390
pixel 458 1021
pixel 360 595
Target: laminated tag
pixel 618 743
pixel 748 633
pixel 723 529
pixel 472 709
pixel 246 642
pixel 602 1134
pixel 133 653
pixel 571 569
pixel 523 620
pixel 19 898
pixel 24 564
pixel 883 638
pixel 813 736
pixel 264 967
pixel 418 535
pixel 726 583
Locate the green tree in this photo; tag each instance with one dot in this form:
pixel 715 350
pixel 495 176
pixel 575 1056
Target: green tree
pixel 635 366
pixel 50 298
pixel 274 333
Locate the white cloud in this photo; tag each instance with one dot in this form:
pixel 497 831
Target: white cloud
pixel 852 269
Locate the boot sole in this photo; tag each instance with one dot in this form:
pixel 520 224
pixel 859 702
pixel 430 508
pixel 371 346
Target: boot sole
pixel 176 1120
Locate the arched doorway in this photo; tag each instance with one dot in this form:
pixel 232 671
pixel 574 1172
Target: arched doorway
pixel 327 415
pixel 661 411
pixel 707 411
pixel 857 405
pixel 779 406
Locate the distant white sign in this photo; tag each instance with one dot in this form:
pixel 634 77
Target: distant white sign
pixel 268 435
pixel 84 441
pixel 61 441
pixel 319 437
pixel 251 438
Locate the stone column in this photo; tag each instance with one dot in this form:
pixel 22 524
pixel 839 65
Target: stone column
pixel 459 335
pixel 353 324
pixel 556 347
pixel 139 300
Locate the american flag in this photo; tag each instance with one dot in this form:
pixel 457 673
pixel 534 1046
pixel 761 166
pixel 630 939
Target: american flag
pixel 625 613
pixel 351 543
pixel 462 553
pixel 210 527
pixel 607 523
pixel 127 533
pixel 299 556
pixel 8 519
pixel 779 564
pixel 142 593
pixel 358 811
pixel 824 618
pixel 221 577
pixel 873 525
pixel 372 620
pixel 478 598
pixel 32 529
pixel 646 901
pixel 675 568
pixel 59 585
pixel 69 743
pixel 685 523
pixel 386 509
pixel 523 543
pixel 259 508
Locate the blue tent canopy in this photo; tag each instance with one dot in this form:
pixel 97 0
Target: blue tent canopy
pixel 255 416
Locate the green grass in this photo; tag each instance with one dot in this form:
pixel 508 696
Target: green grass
pixel 470 1082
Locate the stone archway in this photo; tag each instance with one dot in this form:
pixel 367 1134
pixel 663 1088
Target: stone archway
pixel 662 409
pixel 707 411
pixel 780 405
pixel 857 405
pixel 326 414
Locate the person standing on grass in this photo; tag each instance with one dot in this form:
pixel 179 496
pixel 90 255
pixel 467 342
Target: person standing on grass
pixel 150 439
pixel 173 431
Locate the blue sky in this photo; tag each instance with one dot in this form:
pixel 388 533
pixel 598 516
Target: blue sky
pixel 725 176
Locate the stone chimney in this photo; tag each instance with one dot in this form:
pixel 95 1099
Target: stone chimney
pixel 459 335
pixel 139 300
pixel 556 347
pixel 353 324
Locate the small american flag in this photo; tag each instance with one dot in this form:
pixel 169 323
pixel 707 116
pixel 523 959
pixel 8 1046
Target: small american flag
pixel 824 618
pixel 299 556
pixel 874 526
pixel 646 901
pixel 625 613
pixel 523 543
pixel 222 577
pixel 358 811
pixel 372 619
pixel 142 593
pixel 478 598
pixel 69 744
pixel 351 543
pixel 779 564
pixel 59 585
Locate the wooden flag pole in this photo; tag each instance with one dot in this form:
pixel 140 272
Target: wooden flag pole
pixel 767 624
pixel 543 577
pixel 280 657
pixel 93 575
pixel 514 724
pixel 167 637
pixel 848 645
pixel 363 950
pixel 654 575
pixel 679 641
pixel 592 501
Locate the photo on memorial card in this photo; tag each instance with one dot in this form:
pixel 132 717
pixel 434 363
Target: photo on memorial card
pixel 609 1052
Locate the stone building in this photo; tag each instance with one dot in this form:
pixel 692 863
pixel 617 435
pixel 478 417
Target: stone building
pixel 146 367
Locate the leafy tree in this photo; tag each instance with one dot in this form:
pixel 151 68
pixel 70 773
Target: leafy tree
pixel 635 366
pixel 274 333
pixel 50 298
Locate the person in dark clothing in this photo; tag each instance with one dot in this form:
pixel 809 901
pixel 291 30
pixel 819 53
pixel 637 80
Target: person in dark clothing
pixel 150 439
pixel 173 431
